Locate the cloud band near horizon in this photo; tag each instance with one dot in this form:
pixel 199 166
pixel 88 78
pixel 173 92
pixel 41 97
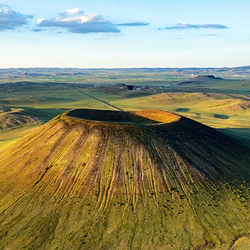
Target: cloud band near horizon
pixel 184 26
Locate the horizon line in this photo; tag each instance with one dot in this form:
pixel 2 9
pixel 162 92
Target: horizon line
pixel 90 68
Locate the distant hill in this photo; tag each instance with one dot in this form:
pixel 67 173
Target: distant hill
pixel 11 118
pixel 201 79
pixel 79 71
pixel 120 88
pixel 207 77
pixel 92 179
pixel 213 102
pixel 116 88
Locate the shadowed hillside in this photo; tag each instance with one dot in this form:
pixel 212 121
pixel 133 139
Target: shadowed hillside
pixel 124 180
pixel 11 118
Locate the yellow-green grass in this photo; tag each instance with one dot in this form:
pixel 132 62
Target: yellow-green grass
pixel 219 111
pixel 242 243
pixel 81 184
pixel 9 136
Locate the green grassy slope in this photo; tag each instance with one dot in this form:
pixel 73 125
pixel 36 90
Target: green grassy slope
pixel 84 184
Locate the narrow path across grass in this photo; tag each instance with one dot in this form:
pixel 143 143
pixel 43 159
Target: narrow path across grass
pixel 99 100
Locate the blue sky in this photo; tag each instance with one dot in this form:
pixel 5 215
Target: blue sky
pixel 99 33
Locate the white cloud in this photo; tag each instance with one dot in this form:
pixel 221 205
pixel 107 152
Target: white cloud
pixel 76 21
pixel 73 11
pixel 10 19
pixel 40 20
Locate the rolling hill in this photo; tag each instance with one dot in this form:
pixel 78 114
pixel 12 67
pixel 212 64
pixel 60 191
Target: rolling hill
pixel 13 117
pixel 200 79
pixel 92 179
pixel 212 109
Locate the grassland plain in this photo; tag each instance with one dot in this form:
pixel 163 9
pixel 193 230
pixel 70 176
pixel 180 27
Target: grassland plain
pixel 226 109
pixel 235 78
pixel 147 180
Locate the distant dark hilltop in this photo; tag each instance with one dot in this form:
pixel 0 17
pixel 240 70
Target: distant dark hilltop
pixel 111 180
pixel 117 88
pixel 201 79
pixel 123 86
pixel 207 77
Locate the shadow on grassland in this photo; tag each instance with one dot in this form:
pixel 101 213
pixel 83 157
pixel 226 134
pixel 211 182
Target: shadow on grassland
pixel 241 134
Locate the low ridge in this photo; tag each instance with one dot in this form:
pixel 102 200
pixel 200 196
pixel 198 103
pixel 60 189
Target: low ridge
pixel 92 179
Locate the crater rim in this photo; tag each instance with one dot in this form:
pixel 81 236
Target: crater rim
pixel 145 117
